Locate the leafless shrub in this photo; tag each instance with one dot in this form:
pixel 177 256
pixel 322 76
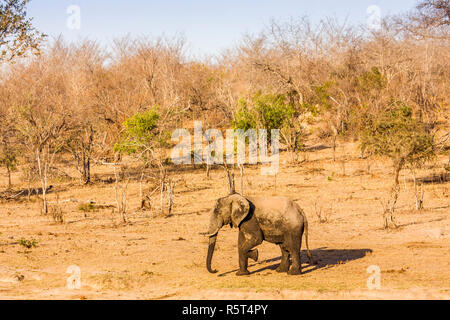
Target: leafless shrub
pixel 389 208
pixel 56 211
pixel 323 216
pixel 418 190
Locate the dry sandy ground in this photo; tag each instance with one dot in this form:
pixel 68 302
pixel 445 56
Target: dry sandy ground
pixel 158 257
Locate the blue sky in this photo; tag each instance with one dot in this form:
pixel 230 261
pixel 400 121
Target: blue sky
pixel 209 26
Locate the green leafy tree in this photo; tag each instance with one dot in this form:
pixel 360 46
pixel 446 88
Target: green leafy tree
pixel 265 112
pixel 17 34
pixel 270 112
pixel 244 118
pixel 140 134
pixel 405 140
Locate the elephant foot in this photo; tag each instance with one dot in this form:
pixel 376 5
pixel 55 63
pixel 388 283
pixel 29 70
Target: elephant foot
pixel 282 268
pixel 253 254
pixel 242 273
pixel 294 272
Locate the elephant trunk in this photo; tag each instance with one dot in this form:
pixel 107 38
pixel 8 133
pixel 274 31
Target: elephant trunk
pixel 211 245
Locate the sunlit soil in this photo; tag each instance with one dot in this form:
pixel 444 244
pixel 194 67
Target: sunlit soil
pixel 160 257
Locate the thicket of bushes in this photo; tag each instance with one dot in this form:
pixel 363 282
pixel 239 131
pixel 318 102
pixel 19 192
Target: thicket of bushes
pixel 312 81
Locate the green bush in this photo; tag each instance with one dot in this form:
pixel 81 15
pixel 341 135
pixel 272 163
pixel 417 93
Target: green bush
pixel 244 118
pixel 265 112
pixel 396 134
pixel 86 207
pixel 140 131
pixel 372 80
pixel 269 112
pixel 28 243
pixel 323 96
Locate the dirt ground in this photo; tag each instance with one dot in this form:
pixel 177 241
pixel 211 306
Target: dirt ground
pixel 160 257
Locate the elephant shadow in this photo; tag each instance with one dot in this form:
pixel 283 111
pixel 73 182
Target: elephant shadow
pixel 325 259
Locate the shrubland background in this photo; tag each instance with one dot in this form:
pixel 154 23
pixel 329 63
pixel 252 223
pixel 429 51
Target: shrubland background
pixel 85 132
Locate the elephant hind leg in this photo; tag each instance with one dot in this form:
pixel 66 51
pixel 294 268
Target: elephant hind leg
pixel 294 245
pixel 285 260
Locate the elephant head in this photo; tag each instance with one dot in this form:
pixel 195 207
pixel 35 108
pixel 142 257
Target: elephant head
pixel 232 210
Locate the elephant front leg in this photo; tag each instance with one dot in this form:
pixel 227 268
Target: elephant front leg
pixel 245 251
pixel 243 264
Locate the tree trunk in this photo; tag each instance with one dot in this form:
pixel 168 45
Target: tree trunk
pixel 87 171
pixel 8 170
pixel 43 178
pixel 29 184
pixel 161 199
pixel 141 194
pixel 170 187
pixel 334 147
pixel 418 194
pixel 388 215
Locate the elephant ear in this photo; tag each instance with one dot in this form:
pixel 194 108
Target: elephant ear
pixel 239 209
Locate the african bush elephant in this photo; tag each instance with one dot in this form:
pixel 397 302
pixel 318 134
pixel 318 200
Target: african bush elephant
pixel 277 220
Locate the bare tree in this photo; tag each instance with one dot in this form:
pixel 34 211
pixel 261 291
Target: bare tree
pixel 43 140
pixel 434 12
pixel 40 110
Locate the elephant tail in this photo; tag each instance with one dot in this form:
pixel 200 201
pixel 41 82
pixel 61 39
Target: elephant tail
pixel 308 253
pixel 305 221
